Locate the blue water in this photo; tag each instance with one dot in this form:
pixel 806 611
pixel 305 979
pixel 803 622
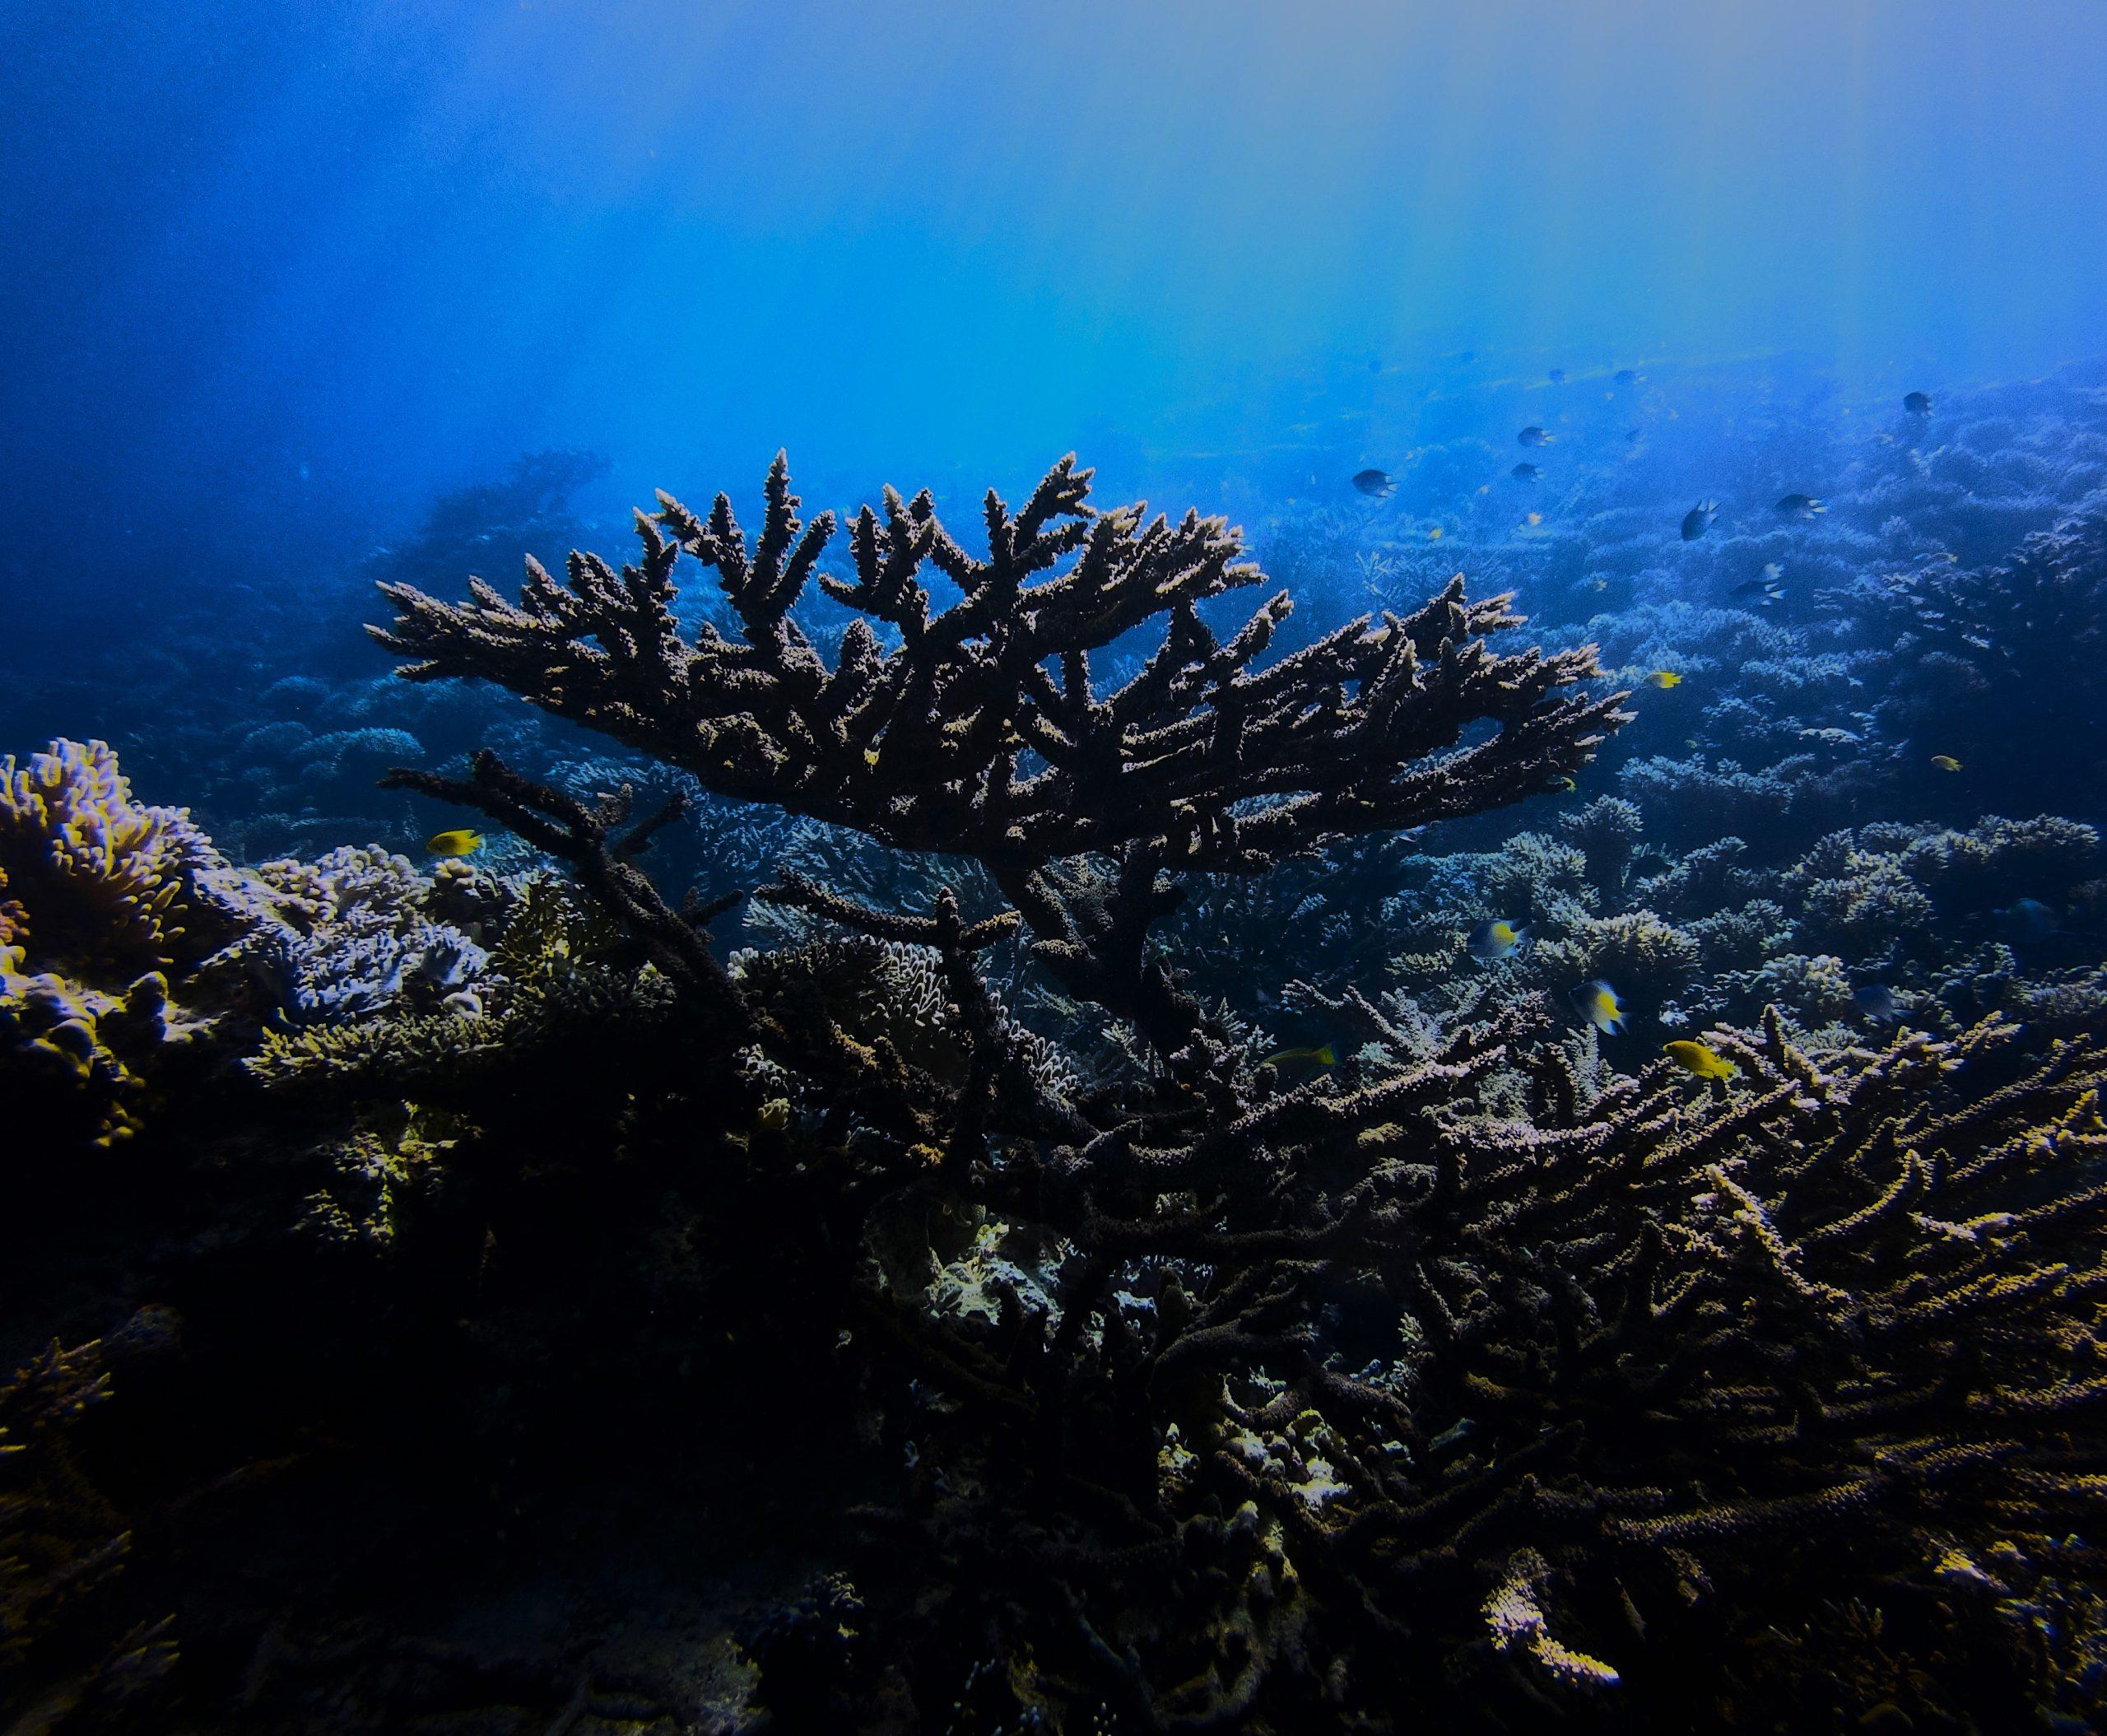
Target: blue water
pixel 322 261
pixel 495 1322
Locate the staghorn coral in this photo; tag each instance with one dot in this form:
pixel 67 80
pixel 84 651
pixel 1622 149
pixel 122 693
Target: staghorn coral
pixel 1491 1376
pixel 1588 1390
pixel 1581 1407
pixel 960 739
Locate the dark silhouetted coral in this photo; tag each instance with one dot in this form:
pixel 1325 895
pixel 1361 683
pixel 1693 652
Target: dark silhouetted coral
pixel 981 730
pixel 1112 1258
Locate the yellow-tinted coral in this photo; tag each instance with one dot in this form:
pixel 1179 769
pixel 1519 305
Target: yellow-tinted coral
pixel 90 879
pixel 101 903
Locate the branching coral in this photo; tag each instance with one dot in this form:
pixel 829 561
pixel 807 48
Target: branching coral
pixel 1584 1404
pixel 1646 1340
pixel 1448 1372
pixel 981 732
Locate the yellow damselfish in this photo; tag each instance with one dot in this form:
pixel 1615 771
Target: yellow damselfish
pixel 1945 762
pixel 1597 1003
pixel 1664 678
pixel 1700 1059
pixel 1324 1054
pixel 458 842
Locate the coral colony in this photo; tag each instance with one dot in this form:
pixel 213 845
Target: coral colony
pixel 929 1204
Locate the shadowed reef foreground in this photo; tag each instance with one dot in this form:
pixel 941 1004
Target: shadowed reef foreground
pixel 1144 1383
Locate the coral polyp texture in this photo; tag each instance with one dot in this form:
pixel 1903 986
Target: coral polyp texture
pixel 101 899
pixel 90 878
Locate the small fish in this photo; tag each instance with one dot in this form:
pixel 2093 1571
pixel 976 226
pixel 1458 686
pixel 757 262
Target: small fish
pixel 1558 376
pixel 1600 585
pixel 1624 376
pixel 1698 520
pixel 1800 505
pixel 1877 1002
pixel 1322 1054
pixel 1763 592
pixel 1945 762
pixel 1534 520
pixel 1525 471
pixel 1494 938
pixel 1700 1060
pixel 1917 404
pixel 1454 1434
pixel 1374 482
pixel 1563 782
pixel 1773 572
pixel 458 842
pixel 1664 679
pixel 2028 919
pixel 1434 535
pixel 1596 1002
pixel 1533 436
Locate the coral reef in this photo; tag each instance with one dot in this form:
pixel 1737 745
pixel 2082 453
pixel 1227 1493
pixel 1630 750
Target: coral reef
pixel 353 933
pixel 1991 657
pixel 93 882
pixel 1086 1244
pixel 102 899
pixel 960 739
